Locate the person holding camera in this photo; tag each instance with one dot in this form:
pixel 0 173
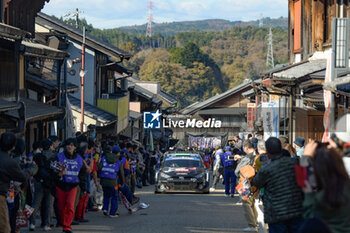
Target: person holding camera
pixel 229 168
pixel 328 197
pixel 249 208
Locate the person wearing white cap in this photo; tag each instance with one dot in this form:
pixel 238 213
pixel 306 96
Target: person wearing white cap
pixel 342 139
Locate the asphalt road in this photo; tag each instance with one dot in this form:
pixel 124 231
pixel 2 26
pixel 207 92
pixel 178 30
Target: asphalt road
pixel 173 213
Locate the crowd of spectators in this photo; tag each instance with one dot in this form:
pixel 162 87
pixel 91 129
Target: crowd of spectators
pixel 58 182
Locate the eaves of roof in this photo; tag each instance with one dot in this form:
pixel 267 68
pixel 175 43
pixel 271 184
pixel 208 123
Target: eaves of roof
pixel 55 24
pixel 215 98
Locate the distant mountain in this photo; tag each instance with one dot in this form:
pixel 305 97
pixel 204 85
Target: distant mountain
pixel 200 59
pixel 170 29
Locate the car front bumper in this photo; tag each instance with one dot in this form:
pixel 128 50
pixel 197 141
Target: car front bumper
pixel 182 185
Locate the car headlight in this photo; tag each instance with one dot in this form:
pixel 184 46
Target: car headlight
pixel 200 176
pixel 163 175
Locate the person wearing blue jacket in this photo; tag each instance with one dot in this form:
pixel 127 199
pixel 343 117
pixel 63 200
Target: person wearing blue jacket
pixel 229 168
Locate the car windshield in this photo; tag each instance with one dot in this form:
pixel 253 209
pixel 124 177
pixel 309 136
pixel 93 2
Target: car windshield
pixel 182 163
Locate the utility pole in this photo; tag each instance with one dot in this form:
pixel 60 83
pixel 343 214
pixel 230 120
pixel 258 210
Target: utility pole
pixel 269 58
pixel 82 74
pixel 149 19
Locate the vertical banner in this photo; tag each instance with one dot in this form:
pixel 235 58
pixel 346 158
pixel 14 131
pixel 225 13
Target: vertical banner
pixel 251 116
pixel 270 119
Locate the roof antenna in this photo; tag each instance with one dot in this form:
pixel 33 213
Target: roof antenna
pixel 74 14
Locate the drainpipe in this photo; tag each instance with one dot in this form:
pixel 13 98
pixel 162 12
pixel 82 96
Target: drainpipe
pixel 290 108
pixel 17 45
pixel 65 96
pixel 82 83
pixel 59 83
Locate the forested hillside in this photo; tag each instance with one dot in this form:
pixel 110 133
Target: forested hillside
pixel 202 25
pixel 196 65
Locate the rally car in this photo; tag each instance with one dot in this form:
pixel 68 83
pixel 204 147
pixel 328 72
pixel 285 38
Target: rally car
pixel 182 172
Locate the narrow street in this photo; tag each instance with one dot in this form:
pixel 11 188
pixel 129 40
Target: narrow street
pixel 197 213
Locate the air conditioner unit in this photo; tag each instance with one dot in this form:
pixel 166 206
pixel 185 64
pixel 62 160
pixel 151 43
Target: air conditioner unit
pixel 105 96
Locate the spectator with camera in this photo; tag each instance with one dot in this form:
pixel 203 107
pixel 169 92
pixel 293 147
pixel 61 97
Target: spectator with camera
pixel 328 197
pixel 249 209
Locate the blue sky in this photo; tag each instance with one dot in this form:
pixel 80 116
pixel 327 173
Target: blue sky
pixel 116 13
